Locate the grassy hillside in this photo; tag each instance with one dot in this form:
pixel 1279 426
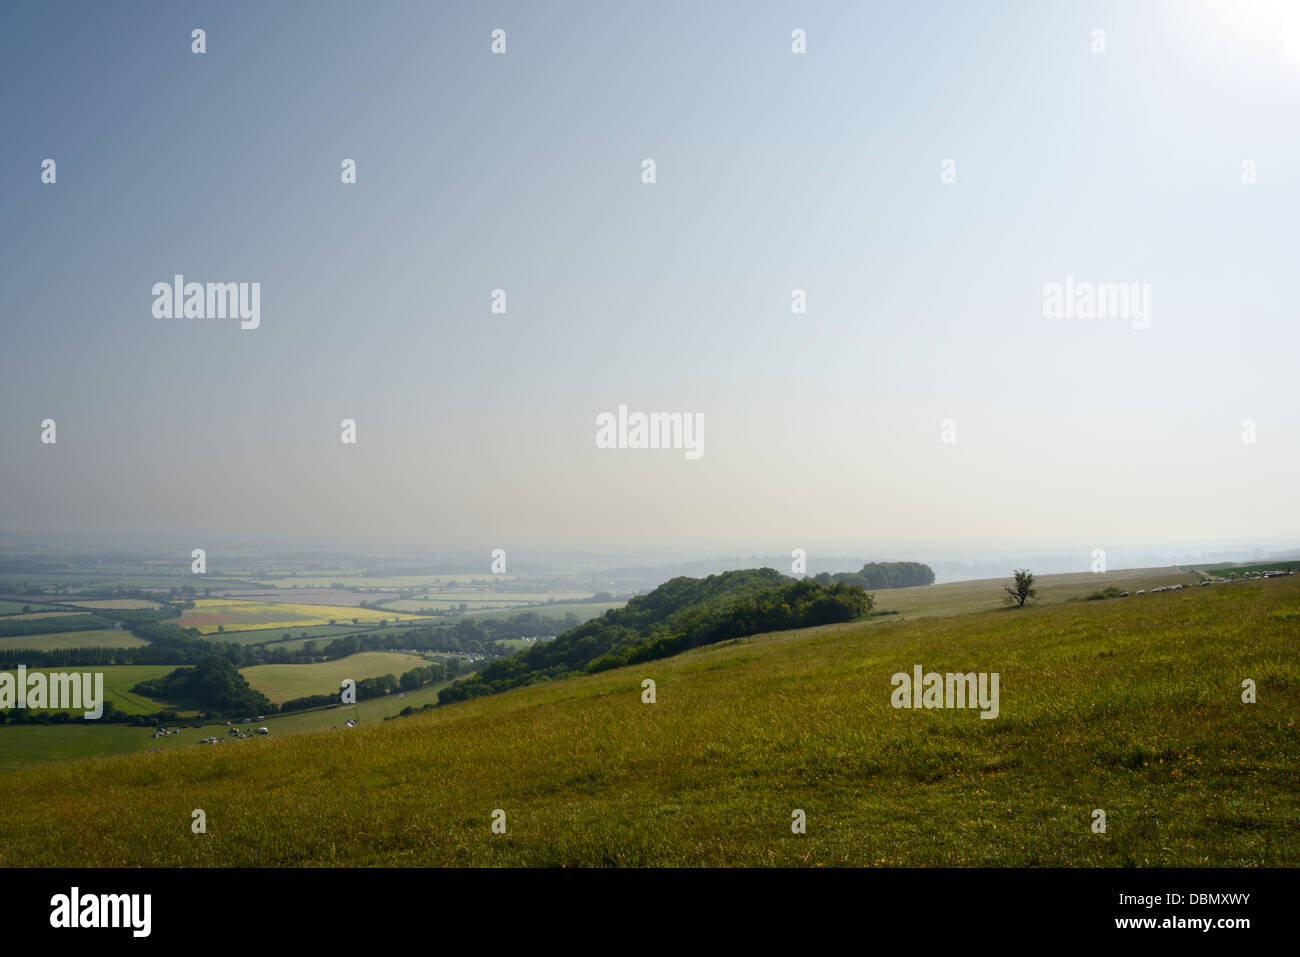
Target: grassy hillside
pixel 25 745
pixel 1131 706
pixel 1234 568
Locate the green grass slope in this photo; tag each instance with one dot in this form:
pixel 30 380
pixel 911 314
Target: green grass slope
pixel 1131 706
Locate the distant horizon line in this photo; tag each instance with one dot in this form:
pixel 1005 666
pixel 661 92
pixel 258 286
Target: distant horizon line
pixel 1118 556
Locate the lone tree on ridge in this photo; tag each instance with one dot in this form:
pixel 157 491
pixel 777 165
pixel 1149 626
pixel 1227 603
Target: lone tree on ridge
pixel 1023 590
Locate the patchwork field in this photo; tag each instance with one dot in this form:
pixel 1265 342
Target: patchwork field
pixel 284 682
pixel 310 596
pixel 80 580
pixel 1131 706
pixel 209 615
pixel 390 582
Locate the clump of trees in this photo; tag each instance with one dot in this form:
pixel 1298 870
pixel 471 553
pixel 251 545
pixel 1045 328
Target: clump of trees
pixel 1021 591
pixel 82 655
pixel 881 575
pixel 214 683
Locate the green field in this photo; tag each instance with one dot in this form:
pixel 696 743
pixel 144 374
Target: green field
pixel 296 644
pixel 285 682
pixel 16 607
pixel 1131 706
pixel 30 744
pixel 118 681
pixel 100 638
pixel 113 603
pixel 321 634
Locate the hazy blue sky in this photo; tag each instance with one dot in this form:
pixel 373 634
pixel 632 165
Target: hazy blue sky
pixel 775 171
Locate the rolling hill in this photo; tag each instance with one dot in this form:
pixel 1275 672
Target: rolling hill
pixel 1130 706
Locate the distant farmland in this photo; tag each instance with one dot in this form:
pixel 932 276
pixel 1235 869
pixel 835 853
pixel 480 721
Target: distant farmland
pixel 35 615
pixel 584 610
pixel 300 634
pixel 341 597
pixel 115 603
pixel 209 615
pixel 500 603
pixel 390 582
